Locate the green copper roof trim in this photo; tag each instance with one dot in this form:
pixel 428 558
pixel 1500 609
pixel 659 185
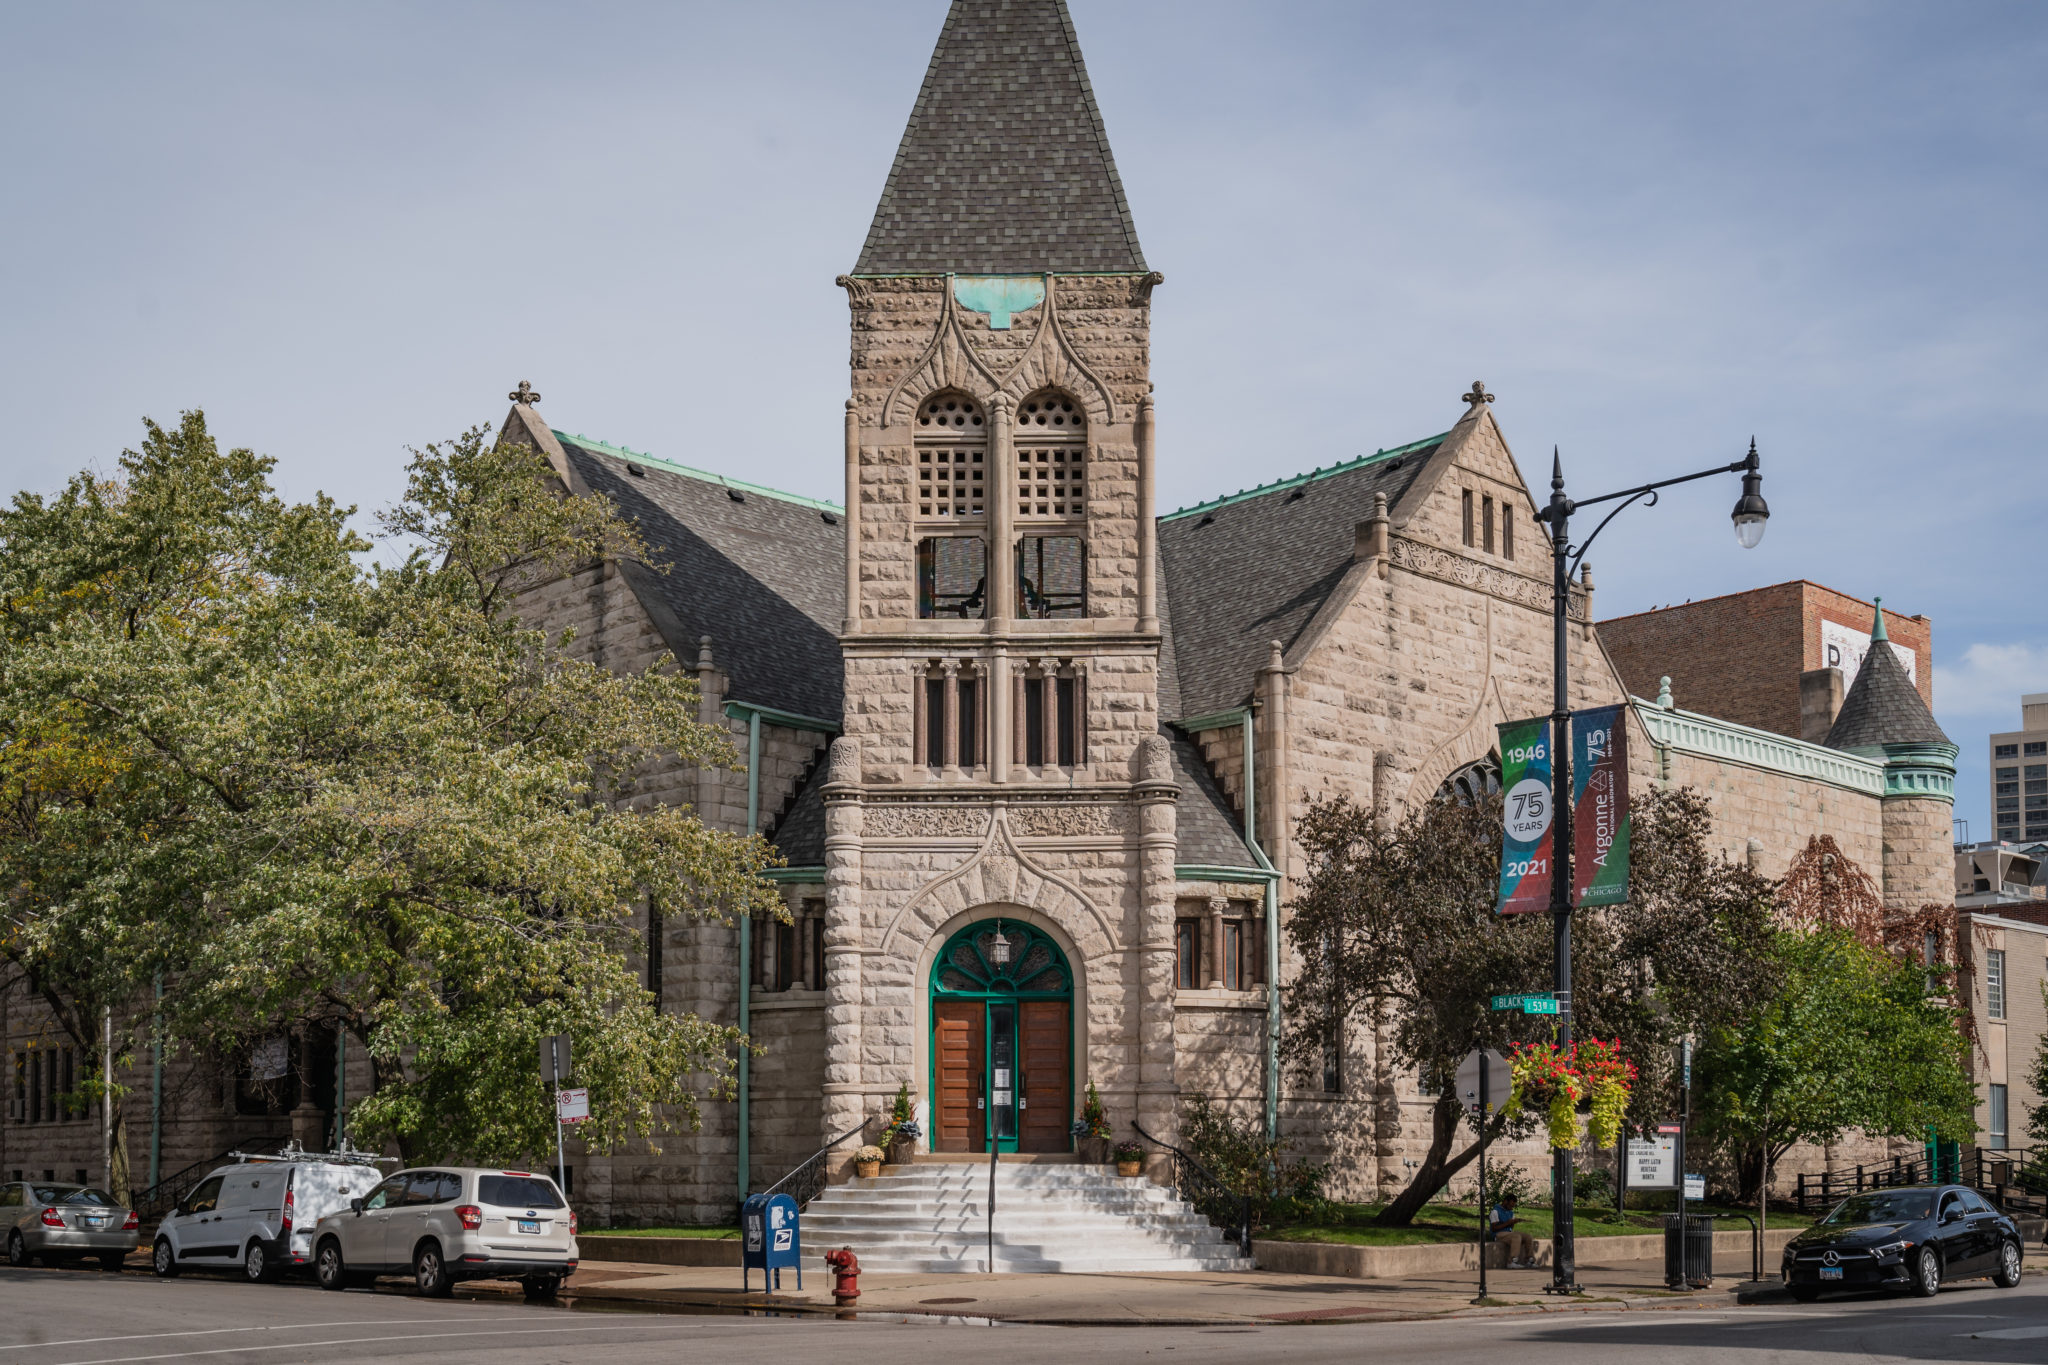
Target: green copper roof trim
pixel 799 875
pixel 1203 872
pixel 1263 489
pixel 671 467
pixel 1877 626
pixel 792 720
pixel 1925 770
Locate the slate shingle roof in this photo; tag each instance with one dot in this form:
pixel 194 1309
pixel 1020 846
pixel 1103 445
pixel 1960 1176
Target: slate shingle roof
pixel 1241 572
pixel 1210 833
pixel 1004 167
pixel 1883 707
pixel 800 831
pixel 763 576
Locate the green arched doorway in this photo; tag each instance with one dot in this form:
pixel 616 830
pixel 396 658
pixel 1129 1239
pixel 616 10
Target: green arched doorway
pixel 1002 1051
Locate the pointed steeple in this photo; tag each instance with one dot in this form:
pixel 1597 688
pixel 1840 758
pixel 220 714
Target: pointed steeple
pixel 1883 707
pixel 1004 167
pixel 1877 625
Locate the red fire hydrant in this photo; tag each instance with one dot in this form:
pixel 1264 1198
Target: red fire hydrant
pixel 845 1267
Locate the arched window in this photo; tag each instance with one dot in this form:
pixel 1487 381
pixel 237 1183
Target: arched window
pixel 952 458
pixel 1471 782
pixel 1052 449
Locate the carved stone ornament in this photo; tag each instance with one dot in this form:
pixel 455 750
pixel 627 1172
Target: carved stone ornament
pixel 1440 564
pixel 524 394
pixel 1051 822
pixel 858 292
pixel 924 822
pixel 951 361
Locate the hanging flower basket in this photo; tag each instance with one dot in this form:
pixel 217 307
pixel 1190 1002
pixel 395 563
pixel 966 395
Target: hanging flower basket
pixel 1608 1078
pixel 1544 1079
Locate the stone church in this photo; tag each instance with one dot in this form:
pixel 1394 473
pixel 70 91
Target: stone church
pixel 1033 748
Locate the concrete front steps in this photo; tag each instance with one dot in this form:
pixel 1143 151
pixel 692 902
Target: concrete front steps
pixel 932 1216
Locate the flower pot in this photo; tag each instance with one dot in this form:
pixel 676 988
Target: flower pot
pixel 867 1170
pixel 1092 1150
pixel 1130 1168
pixel 901 1150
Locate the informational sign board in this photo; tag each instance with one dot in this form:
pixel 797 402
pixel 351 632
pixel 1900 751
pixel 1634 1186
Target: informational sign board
pixel 1600 822
pixel 770 1238
pixel 1653 1162
pixel 1498 1081
pixel 1843 647
pixel 572 1105
pixel 1526 858
pixel 1695 1186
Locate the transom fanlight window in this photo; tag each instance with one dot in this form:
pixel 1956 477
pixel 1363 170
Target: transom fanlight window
pixel 1051 457
pixel 952 457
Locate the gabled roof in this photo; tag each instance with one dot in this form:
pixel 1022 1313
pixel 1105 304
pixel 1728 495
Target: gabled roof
pixel 1883 706
pixel 1210 834
pixel 1242 571
pixel 762 573
pixel 1004 167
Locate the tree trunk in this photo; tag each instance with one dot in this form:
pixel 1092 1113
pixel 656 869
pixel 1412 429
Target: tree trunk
pixel 1438 1166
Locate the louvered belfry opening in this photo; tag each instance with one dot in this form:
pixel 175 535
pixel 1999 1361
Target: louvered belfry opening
pixel 952 501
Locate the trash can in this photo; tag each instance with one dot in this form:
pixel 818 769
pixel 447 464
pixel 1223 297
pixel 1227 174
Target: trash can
pixel 1688 1257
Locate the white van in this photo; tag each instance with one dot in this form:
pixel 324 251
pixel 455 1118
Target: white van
pixel 259 1213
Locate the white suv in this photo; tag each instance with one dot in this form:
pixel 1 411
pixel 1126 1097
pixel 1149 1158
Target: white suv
pixel 449 1224
pixel 258 1214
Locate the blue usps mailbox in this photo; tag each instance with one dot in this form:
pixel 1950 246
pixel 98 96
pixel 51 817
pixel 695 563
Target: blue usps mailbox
pixel 770 1240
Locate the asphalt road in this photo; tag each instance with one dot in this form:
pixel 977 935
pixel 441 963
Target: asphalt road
pixel 89 1317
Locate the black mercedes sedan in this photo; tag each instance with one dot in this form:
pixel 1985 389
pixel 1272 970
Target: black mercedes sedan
pixel 1910 1239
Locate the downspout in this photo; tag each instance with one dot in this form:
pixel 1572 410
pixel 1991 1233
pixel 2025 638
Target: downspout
pixel 1251 842
pixel 747 950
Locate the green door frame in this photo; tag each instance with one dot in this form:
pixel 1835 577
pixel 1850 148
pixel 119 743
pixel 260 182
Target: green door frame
pixel 974 977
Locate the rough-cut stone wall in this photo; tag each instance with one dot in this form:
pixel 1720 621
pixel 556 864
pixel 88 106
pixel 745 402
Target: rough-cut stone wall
pixel 1919 853
pixel 1780 812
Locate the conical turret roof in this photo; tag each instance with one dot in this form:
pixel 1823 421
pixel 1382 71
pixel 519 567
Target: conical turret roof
pixel 1883 706
pixel 1004 167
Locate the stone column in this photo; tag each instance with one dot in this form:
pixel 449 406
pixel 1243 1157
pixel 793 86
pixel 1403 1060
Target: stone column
pixel 1273 758
pixel 949 755
pixel 998 739
pixel 1002 510
pixel 1148 555
pixel 852 621
pixel 1216 907
pixel 844 1103
pixel 1154 792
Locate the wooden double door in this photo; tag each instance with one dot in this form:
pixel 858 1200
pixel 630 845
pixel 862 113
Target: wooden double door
pixel 1002 1075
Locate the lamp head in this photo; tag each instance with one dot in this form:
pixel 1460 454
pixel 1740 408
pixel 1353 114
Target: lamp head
pixel 999 948
pixel 1751 511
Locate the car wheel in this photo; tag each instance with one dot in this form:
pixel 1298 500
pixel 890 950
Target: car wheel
pixel 162 1259
pixel 113 1261
pixel 541 1288
pixel 1926 1274
pixel 17 1249
pixel 328 1267
pixel 257 1265
pixel 1805 1293
pixel 430 1273
pixel 2008 1276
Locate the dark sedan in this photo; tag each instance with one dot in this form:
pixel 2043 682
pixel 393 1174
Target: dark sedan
pixel 1910 1239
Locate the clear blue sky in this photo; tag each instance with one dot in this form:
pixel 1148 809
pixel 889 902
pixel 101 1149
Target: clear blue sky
pixel 1653 230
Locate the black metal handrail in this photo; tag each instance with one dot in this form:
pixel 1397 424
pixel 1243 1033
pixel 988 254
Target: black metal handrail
pixel 1210 1197
pixel 2016 1178
pixel 808 1180
pixel 163 1196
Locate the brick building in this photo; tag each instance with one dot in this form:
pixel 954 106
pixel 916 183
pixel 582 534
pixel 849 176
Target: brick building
pixel 1779 658
pixel 1092 759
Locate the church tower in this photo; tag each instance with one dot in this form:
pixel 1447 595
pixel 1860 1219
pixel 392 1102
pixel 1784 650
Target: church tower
pixel 1000 810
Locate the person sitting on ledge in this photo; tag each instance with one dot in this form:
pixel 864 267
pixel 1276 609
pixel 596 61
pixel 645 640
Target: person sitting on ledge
pixel 1521 1246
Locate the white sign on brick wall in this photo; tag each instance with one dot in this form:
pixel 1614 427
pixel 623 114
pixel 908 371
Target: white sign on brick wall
pixel 1843 647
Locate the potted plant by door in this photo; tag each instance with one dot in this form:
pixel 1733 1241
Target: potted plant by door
pixel 899 1138
pixel 1091 1130
pixel 867 1162
pixel 1130 1158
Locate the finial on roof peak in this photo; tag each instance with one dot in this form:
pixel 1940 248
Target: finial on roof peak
pixel 1664 692
pixel 524 394
pixel 1877 626
pixel 1478 395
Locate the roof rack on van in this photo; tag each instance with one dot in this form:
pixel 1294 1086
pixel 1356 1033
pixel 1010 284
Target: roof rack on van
pixel 293 1152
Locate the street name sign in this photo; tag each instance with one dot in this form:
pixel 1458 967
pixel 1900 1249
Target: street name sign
pixel 1527 1004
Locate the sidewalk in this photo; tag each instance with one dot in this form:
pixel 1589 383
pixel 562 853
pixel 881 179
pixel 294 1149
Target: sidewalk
pixel 1166 1299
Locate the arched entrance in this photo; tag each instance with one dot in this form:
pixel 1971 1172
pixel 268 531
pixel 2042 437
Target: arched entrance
pixel 1002 1041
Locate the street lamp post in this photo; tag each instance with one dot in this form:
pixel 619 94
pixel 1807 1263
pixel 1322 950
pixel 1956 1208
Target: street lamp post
pixel 1749 517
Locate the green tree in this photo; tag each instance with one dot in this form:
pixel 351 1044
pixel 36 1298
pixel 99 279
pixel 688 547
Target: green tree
pixel 1856 1039
pixel 296 789
pixel 1395 927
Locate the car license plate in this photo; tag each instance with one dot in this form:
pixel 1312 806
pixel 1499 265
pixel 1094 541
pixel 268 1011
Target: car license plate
pixel 97 1222
pixel 1831 1272
pixel 529 1225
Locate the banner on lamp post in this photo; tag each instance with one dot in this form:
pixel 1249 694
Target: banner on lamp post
pixel 1600 815
pixel 1527 823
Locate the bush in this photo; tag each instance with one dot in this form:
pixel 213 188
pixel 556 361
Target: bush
pixel 1594 1186
pixel 1504 1178
pixel 1241 1157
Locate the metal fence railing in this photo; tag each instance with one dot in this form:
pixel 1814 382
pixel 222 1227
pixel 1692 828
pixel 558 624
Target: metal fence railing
pixel 809 1178
pixel 2014 1178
